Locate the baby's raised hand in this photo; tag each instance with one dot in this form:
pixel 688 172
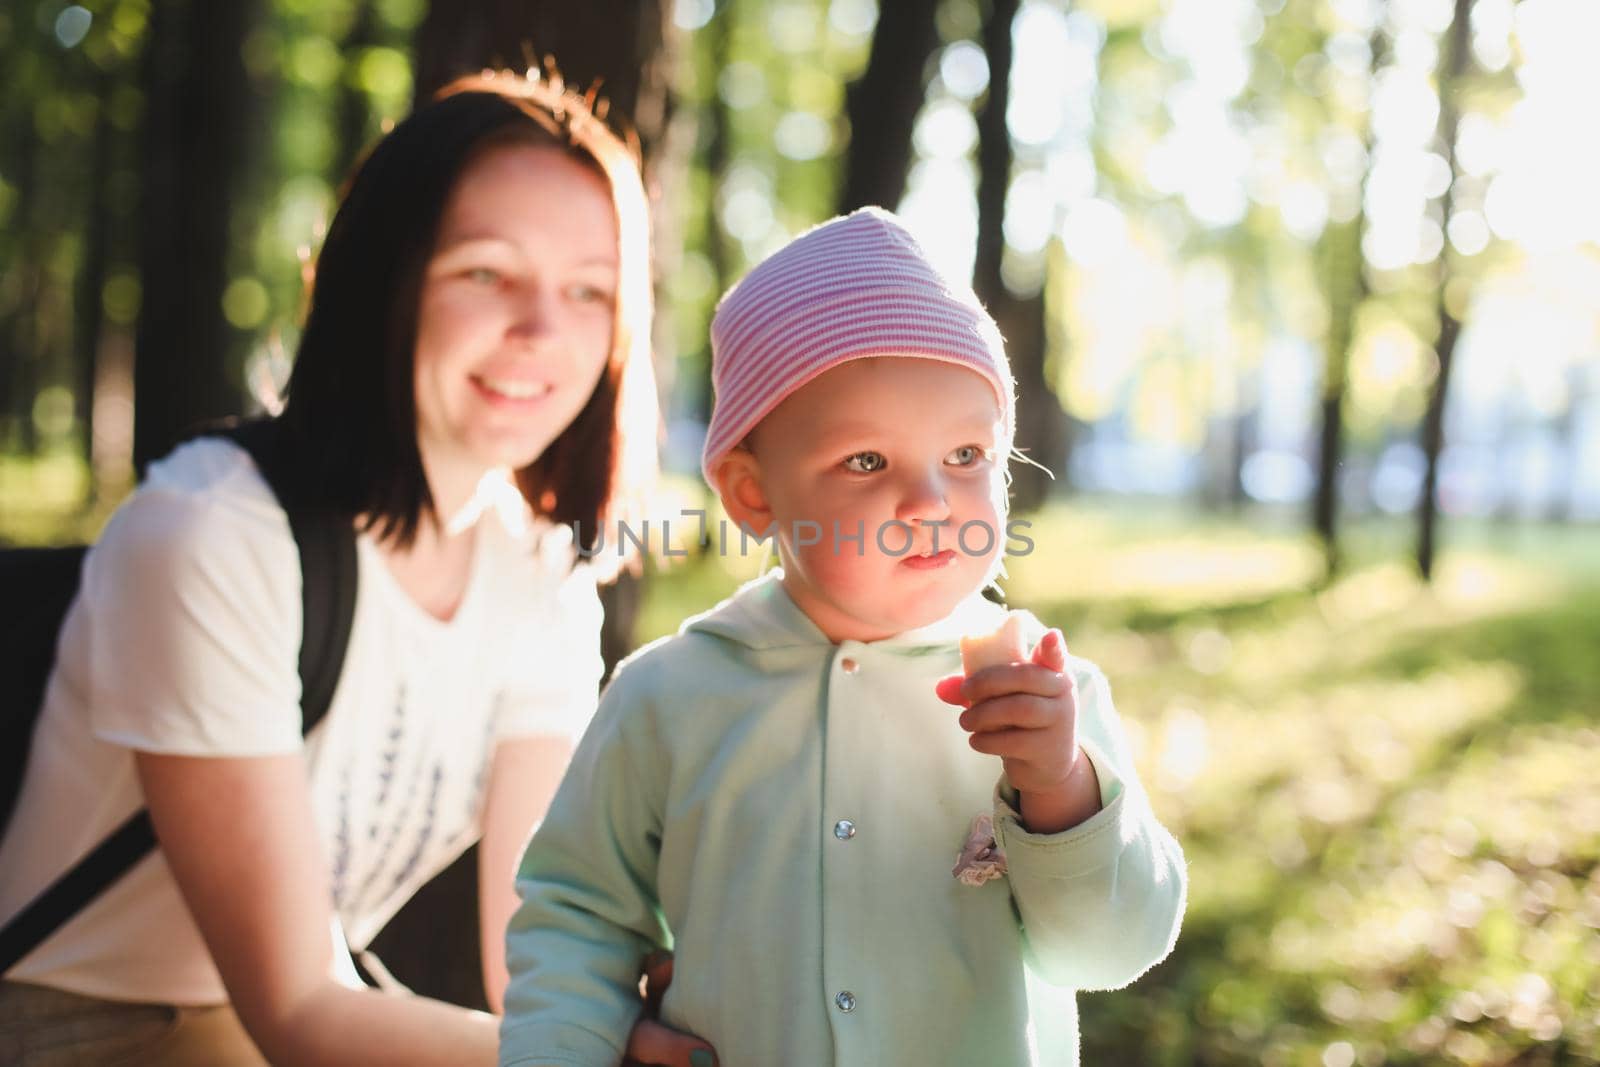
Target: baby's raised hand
pixel 1027 714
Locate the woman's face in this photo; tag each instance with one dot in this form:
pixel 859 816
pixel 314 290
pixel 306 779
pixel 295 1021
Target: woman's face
pixel 516 314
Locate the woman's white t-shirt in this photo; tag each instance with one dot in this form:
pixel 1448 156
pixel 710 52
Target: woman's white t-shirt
pixel 184 639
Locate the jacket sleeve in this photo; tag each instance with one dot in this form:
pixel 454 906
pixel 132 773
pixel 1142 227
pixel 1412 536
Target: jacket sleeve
pixel 1100 903
pixel 589 914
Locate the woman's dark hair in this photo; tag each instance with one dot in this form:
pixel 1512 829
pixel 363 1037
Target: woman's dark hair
pixel 350 412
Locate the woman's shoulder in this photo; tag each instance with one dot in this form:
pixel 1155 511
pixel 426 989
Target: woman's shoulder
pixel 210 468
pixel 190 604
pixel 202 502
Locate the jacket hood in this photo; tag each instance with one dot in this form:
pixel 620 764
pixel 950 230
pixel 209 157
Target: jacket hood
pixel 761 615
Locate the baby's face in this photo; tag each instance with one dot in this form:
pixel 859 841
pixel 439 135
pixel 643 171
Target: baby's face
pixel 887 448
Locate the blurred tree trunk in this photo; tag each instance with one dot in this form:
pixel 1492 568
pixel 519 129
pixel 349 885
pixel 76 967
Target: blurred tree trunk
pixel 621 44
pixel 1347 287
pixel 1347 290
pixel 1569 431
pixel 882 105
pixel 719 40
pixel 354 109
pixel 90 306
pixel 432 944
pixel 1242 443
pixel 1452 73
pixel 196 132
pixel 1041 423
pixel 18 322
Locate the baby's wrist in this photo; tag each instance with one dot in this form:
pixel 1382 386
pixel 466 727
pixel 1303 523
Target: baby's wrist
pixel 1053 810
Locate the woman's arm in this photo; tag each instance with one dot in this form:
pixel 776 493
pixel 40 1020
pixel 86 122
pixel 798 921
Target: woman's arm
pixel 243 846
pixel 522 778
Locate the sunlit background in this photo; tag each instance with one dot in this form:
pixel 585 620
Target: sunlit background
pixel 1232 211
pixel 1177 165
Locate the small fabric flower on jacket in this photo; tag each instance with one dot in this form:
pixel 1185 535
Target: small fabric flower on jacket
pixel 981 858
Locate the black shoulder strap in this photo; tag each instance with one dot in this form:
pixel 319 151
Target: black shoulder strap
pixel 326 541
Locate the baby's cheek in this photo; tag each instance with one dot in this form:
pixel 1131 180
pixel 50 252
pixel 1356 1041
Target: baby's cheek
pixel 840 565
pixel 863 582
pixel 818 559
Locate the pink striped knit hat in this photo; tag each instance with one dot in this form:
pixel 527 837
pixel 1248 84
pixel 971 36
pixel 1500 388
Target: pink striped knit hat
pixel 856 286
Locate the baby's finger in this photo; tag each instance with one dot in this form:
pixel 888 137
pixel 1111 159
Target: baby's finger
pixel 1007 744
pixel 1051 651
pixel 1014 678
pixel 1016 711
pixel 948 689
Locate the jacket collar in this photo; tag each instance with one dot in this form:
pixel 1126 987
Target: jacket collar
pixel 761 615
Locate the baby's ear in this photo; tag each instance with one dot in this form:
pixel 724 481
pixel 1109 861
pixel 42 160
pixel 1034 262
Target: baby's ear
pixel 737 477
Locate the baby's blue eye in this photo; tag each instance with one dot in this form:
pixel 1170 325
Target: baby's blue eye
pixel 483 276
pixel 866 462
pixel 965 456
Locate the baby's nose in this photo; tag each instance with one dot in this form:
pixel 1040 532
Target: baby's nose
pixel 923 501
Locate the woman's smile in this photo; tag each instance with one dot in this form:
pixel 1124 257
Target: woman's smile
pixel 511 392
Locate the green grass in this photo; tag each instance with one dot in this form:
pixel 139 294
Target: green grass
pixel 45 499
pixel 1386 791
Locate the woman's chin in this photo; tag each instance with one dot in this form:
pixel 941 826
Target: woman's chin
pixel 511 451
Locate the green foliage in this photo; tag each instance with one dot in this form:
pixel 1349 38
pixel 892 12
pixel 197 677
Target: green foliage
pixel 333 76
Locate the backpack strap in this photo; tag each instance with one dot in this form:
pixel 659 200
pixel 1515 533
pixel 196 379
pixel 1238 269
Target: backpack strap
pixel 327 543
pixel 327 546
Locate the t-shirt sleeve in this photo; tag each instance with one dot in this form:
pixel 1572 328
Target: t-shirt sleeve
pixel 555 662
pixel 192 603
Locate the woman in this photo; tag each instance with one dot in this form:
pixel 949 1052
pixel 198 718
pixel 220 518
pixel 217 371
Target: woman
pixel 480 319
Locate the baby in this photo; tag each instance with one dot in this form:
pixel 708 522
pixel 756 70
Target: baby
pixel 777 793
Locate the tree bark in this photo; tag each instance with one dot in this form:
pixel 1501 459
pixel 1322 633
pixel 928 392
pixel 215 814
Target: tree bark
pixel 1040 420
pixel 882 105
pixel 1454 68
pixel 196 133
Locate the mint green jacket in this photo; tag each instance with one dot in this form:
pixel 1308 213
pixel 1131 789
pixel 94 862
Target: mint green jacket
pixel 784 813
